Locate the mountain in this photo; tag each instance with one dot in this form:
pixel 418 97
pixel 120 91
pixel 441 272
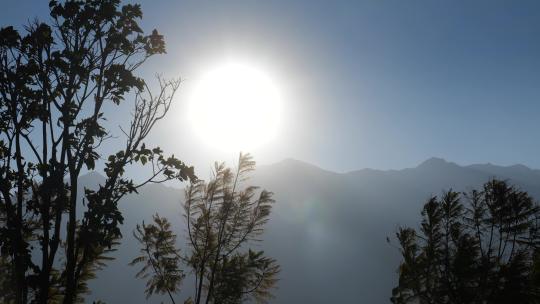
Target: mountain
pixel 327 230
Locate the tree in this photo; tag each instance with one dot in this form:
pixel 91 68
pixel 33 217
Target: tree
pixel 161 257
pixel 56 81
pixel 221 220
pixel 481 251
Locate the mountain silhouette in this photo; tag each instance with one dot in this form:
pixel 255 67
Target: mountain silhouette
pixel 327 230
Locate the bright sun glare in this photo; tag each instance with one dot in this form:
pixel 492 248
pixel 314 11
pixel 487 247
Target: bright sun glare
pixel 235 107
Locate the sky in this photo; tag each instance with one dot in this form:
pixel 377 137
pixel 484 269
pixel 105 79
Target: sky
pixel 376 84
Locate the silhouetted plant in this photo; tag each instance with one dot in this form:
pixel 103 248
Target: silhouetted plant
pixel 483 251
pixel 7 288
pixel 160 256
pixel 221 218
pixel 55 82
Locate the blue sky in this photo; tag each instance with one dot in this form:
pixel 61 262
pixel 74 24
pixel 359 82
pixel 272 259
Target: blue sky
pixel 380 84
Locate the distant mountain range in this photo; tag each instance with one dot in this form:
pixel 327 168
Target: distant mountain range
pixel 327 230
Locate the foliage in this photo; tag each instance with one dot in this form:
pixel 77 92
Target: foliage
pixel 56 80
pixel 481 251
pixel 7 291
pixel 160 255
pixel 221 220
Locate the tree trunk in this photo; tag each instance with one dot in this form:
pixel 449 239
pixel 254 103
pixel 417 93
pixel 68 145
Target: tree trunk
pixel 45 271
pixel 71 285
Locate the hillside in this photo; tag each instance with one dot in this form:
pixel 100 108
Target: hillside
pixel 328 230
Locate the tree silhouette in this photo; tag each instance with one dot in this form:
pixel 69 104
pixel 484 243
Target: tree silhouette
pixel 481 251
pixel 160 256
pixel 56 80
pixel 221 220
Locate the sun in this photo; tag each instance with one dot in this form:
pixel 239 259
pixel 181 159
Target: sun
pixel 235 107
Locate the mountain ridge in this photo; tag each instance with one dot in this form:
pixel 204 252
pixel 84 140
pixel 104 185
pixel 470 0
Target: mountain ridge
pixel 328 230
pixel 430 162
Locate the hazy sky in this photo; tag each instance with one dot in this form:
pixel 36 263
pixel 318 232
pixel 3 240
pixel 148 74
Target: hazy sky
pixel 381 84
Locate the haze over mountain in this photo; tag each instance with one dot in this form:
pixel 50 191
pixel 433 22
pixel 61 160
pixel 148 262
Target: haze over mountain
pixel 327 230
